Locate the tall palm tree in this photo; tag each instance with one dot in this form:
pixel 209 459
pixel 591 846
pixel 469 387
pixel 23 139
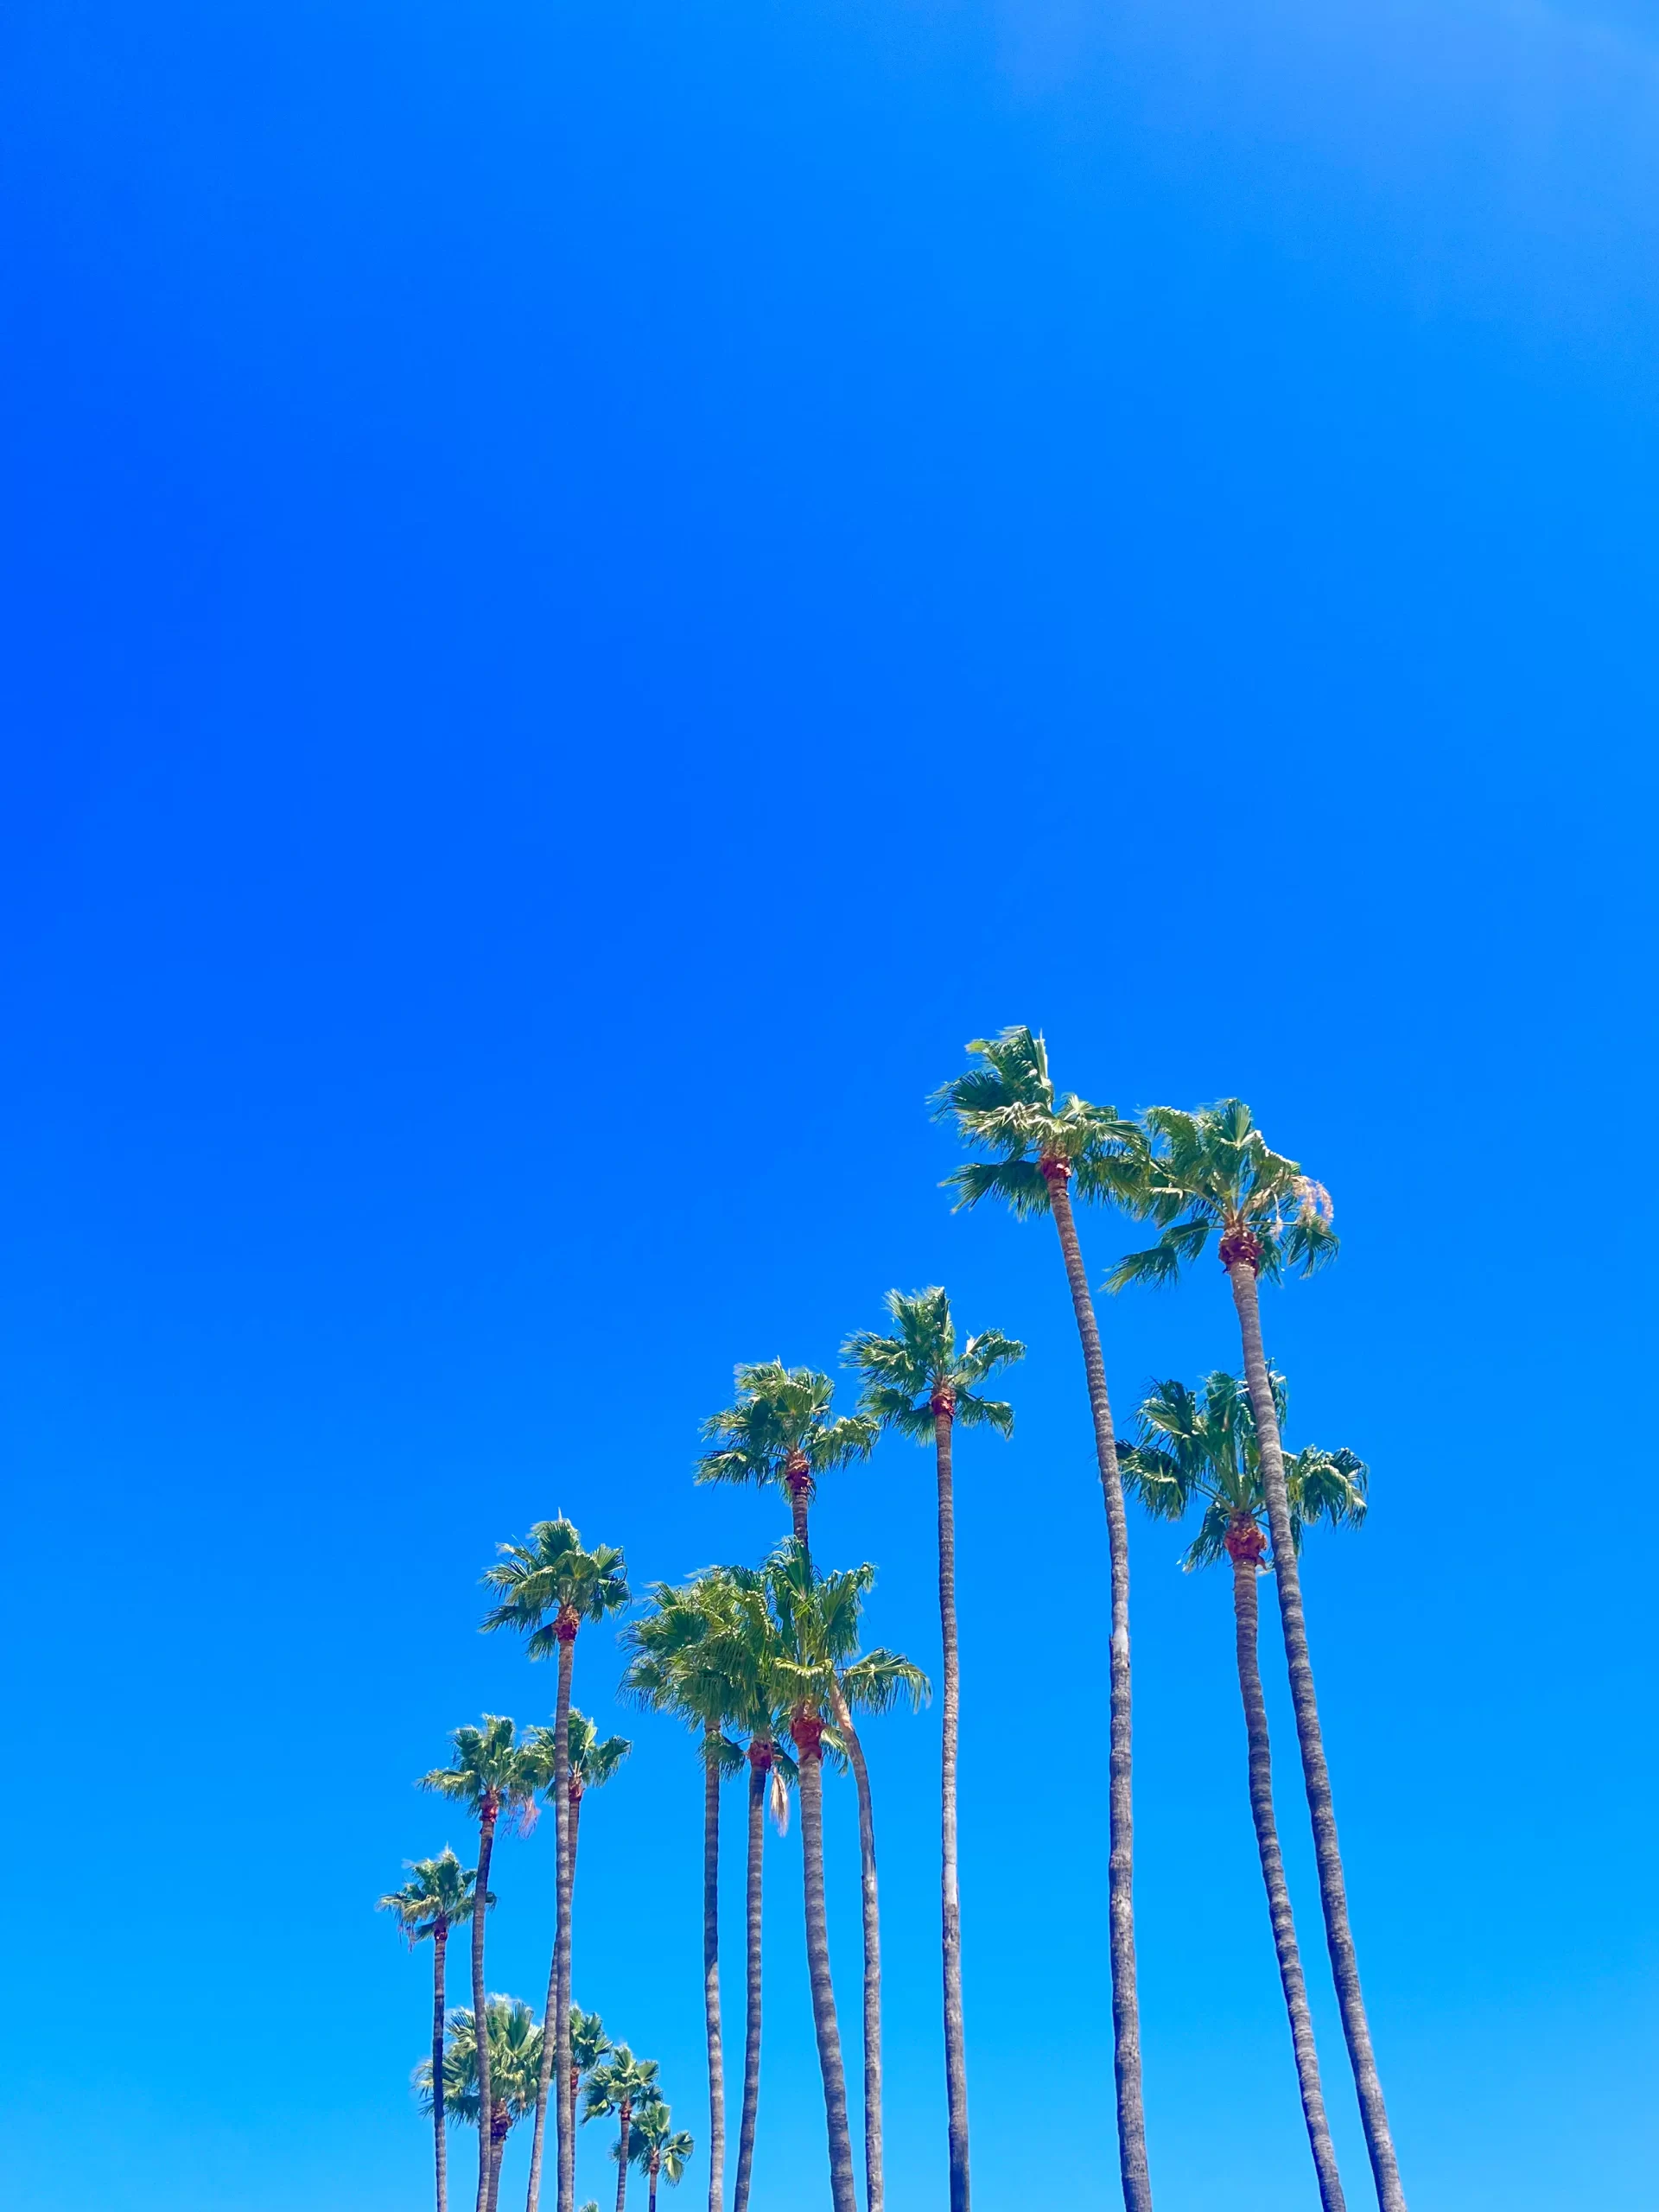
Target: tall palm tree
pixel 437 1895
pixel 550 1586
pixel 614 2088
pixel 1211 1174
pixel 513 2056
pixel 1202 1444
pixel 781 1434
pixel 489 1773
pixel 1044 1146
pixel 817 1619
pixel 917 1381
pixel 656 2146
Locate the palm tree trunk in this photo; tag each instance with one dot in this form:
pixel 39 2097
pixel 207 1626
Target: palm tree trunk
pixel 574 1798
pixel 498 2152
pixel 757 1772
pixel 653 2189
pixel 440 2148
pixel 480 2020
pixel 711 1971
pixel 1334 1893
pixel 555 2049
pixel 843 2198
pixel 874 2189
pixel 1245 1610
pixel 1126 2008
pixel 955 2059
pixel 622 2155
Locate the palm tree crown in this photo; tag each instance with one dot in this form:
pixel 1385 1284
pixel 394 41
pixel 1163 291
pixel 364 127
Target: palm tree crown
pixel 917 1373
pixel 1008 1107
pixel 490 1772
pixel 550 1574
pixel 593 1758
pixel 438 1893
pixel 1213 1170
pixel 781 1434
pixel 515 2062
pixel 619 2079
pixel 656 2145
pixel 818 1618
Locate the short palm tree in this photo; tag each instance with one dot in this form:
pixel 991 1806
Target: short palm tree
pixel 436 1896
pixel 513 2056
pixel 615 2088
pixel 781 1434
pixel 1211 1174
pixel 549 1585
pixel 658 2147
pixel 918 1381
pixel 489 1773
pixel 827 1678
pixel 588 2044
pixel 1043 1147
pixel 1201 1446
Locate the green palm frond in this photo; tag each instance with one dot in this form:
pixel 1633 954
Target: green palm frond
pixel 438 1893
pixel 904 1372
pixel 551 1574
pixel 488 1763
pixel 878 1679
pixel 515 2046
pixel 618 2078
pixel 1212 1170
pixel 1007 1107
pixel 781 1417
pixel 656 2145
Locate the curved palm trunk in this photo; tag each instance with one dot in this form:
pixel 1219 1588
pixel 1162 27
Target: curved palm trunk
pixel 874 2190
pixel 956 2058
pixel 1245 1616
pixel 711 1971
pixel 571 2077
pixel 758 1768
pixel 555 2050
pixel 1126 2007
pixel 1334 1893
pixel 806 1732
pixel 480 2019
pixel 626 2118
pixel 440 2148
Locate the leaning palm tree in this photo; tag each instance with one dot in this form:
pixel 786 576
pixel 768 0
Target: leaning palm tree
pixel 918 1381
pixel 512 2055
pixel 549 1586
pixel 658 2147
pixel 614 2088
pixel 489 1773
pixel 1043 1147
pixel 1211 1173
pixel 781 1434
pixel 1202 1445
pixel 437 1895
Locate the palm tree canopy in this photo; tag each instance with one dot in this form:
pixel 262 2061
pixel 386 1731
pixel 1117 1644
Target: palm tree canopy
pixel 593 1758
pixel 708 1651
pixel 1007 1106
pixel 490 1768
pixel 908 1375
pixel 515 2062
pixel 589 2041
pixel 1200 1445
pixel 818 1618
pixel 655 2143
pixel 550 1574
pixel 781 1424
pixel 438 1893
pixel 1213 1170
pixel 619 2079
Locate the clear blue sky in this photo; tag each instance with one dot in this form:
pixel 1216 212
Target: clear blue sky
pixel 590 590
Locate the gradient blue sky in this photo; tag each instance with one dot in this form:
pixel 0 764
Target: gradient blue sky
pixel 589 592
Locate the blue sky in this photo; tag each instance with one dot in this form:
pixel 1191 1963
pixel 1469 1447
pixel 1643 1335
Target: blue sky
pixel 590 592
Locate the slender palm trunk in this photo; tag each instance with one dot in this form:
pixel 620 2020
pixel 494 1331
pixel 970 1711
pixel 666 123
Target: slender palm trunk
pixel 1334 1893
pixel 806 1731
pixel 955 2059
pixel 481 2022
pixel 440 2148
pixel 760 1767
pixel 626 2117
pixel 874 2190
pixel 711 1970
pixel 1245 1552
pixel 653 2189
pixel 498 2152
pixel 1126 2008
pixel 556 2048
pixel 571 2078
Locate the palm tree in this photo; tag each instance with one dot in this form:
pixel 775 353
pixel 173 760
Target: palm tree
pixel 918 1382
pixel 1212 1172
pixel 437 1895
pixel 1202 1445
pixel 817 1619
pixel 489 1773
pixel 656 2146
pixel 780 1433
pixel 549 1586
pixel 1042 1145
pixel 513 2058
pixel 614 2088
pixel 588 2044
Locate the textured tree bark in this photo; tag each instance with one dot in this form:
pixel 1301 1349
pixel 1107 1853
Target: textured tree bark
pixel 956 2057
pixel 842 2193
pixel 574 1798
pixel 1126 2008
pixel 1334 1893
pixel 480 2025
pixel 556 2048
pixel 501 2128
pixel 711 1974
pixel 758 1773
pixel 874 2186
pixel 440 2148
pixel 1245 1616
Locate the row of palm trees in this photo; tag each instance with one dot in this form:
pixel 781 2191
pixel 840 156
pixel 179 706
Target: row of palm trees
pixel 763 1664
